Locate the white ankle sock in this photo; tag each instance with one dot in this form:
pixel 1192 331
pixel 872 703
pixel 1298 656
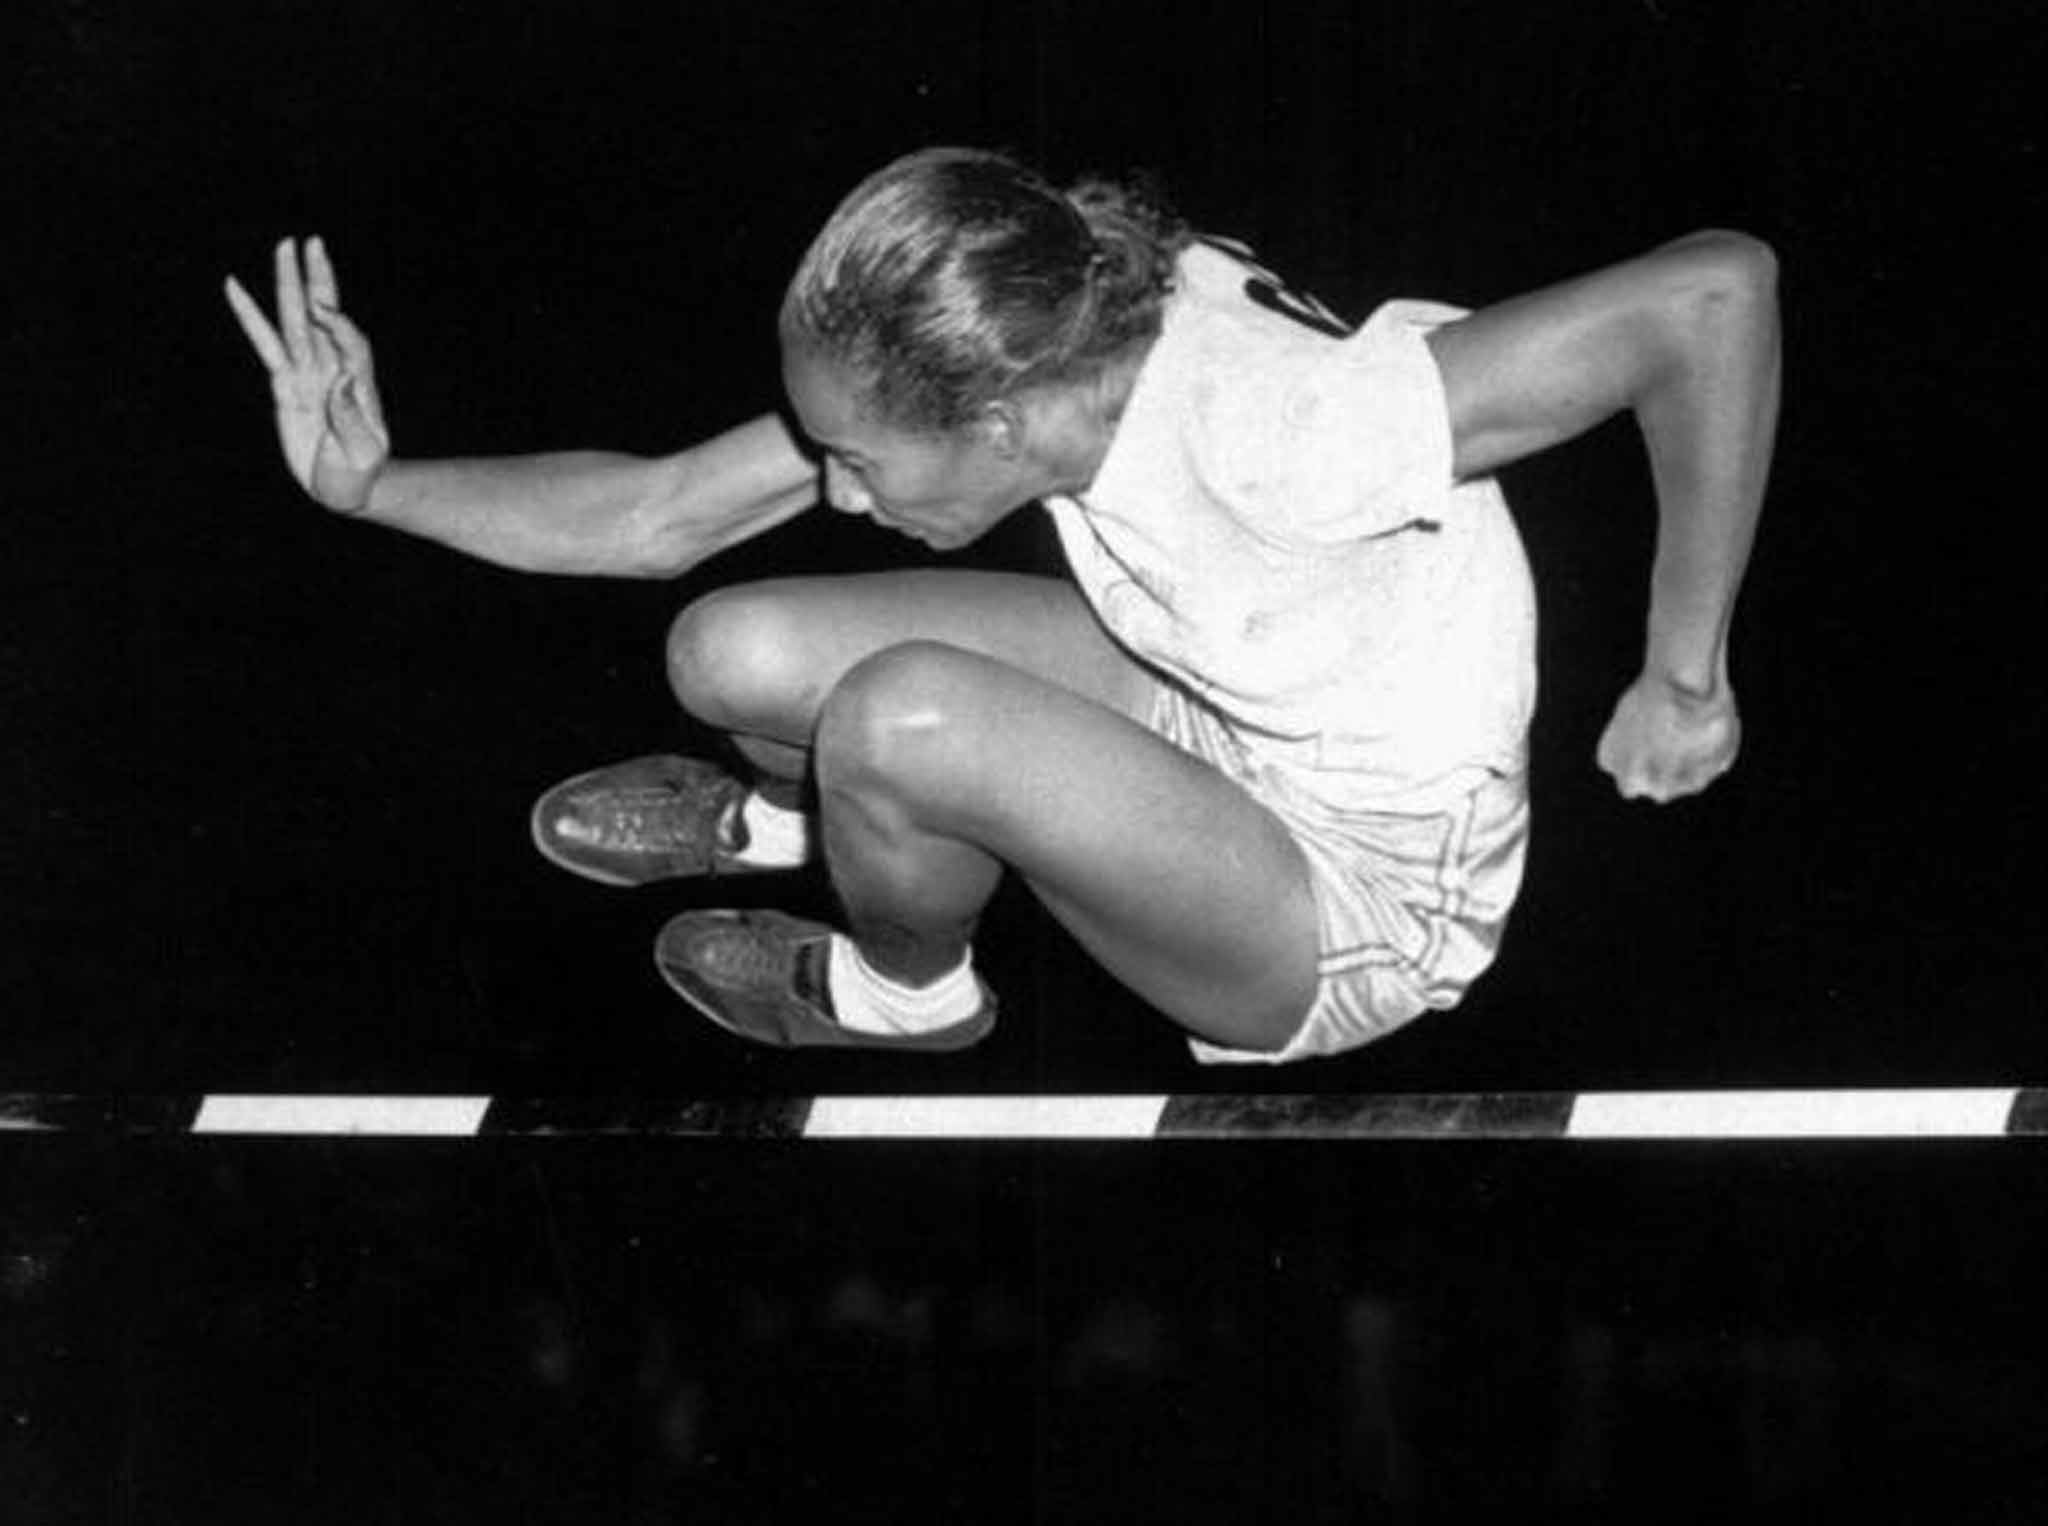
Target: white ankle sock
pixel 870 1002
pixel 777 838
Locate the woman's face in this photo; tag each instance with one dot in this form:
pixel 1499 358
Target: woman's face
pixel 945 490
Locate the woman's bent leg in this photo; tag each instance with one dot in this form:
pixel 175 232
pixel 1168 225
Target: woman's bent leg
pixel 758 661
pixel 938 766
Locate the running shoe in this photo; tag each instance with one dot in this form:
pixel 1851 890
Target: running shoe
pixel 762 975
pixel 647 819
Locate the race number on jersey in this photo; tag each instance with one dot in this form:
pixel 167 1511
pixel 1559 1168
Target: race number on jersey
pixel 1276 296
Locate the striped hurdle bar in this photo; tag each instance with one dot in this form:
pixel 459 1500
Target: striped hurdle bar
pixel 1928 1113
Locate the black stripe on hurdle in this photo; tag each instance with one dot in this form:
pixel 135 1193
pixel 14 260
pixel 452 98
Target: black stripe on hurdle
pixel 1528 1115
pixel 116 1114
pixel 2029 1116
pixel 535 1117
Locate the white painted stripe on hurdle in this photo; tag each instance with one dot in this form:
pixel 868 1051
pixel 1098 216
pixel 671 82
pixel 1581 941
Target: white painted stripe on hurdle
pixel 1105 1117
pixel 409 1117
pixel 1956 1113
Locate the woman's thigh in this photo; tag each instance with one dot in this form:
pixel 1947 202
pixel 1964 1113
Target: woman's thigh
pixel 761 658
pixel 1172 875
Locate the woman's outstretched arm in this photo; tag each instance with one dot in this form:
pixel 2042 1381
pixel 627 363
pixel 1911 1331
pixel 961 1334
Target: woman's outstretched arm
pixel 593 513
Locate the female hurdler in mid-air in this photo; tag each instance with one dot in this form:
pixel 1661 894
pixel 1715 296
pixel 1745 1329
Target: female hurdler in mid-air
pixel 1265 756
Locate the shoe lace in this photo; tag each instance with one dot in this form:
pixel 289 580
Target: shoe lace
pixel 755 958
pixel 653 821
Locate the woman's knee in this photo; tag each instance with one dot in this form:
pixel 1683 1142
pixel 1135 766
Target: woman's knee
pixel 894 715
pixel 740 657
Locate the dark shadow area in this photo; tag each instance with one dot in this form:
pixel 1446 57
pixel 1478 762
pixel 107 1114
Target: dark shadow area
pixel 553 1333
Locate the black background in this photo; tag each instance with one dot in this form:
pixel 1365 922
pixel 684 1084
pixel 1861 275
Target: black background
pixel 268 792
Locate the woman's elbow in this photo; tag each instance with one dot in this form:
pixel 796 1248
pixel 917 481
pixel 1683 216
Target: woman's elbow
pixel 1722 268
pixel 1718 297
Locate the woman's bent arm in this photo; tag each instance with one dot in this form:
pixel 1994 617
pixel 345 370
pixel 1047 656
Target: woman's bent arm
pixel 1687 339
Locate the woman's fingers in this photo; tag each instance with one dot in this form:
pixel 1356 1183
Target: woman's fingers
pixel 353 344
pixel 335 338
pixel 321 287
pixel 310 331
pixel 261 335
pixel 291 302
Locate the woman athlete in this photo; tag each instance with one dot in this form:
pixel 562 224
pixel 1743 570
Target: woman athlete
pixel 1265 756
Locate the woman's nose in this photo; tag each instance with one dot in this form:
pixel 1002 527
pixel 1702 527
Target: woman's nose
pixel 844 492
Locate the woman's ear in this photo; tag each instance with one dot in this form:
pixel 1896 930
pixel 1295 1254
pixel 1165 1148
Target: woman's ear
pixel 1000 425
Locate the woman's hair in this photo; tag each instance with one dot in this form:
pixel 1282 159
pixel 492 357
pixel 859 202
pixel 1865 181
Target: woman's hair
pixel 955 276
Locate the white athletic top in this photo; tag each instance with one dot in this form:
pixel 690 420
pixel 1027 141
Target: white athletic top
pixel 1276 528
